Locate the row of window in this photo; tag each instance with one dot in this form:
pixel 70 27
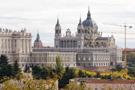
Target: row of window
pixel 101 64
pixel 51 64
pixel 99 58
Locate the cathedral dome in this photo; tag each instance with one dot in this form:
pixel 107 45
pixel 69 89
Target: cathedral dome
pixel 37 40
pixel 89 22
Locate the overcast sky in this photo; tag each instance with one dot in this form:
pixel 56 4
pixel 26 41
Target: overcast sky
pixel 41 15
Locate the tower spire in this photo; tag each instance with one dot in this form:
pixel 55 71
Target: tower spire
pixel 89 14
pixel 80 22
pixel 38 32
pixel 57 24
pixel 38 36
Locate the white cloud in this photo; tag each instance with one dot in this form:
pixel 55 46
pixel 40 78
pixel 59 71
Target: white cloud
pixel 42 14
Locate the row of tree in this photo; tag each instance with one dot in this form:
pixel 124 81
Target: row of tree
pixel 69 73
pixel 58 72
pixel 8 70
pixel 130 57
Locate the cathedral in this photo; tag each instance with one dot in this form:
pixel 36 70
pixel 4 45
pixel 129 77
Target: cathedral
pixel 87 48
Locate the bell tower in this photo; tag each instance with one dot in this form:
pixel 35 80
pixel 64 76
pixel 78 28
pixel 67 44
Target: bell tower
pixel 80 27
pixel 57 33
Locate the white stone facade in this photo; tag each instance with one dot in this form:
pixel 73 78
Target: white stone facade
pixel 91 47
pixel 17 46
pixel 49 59
pixel 86 48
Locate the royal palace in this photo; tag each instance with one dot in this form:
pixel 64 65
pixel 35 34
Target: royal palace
pixel 87 48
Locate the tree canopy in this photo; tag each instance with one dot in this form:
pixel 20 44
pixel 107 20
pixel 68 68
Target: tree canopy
pixel 131 56
pixel 59 66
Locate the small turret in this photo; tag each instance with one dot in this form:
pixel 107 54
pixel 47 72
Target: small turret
pixel 57 29
pixel 80 27
pixel 38 42
pixel 89 14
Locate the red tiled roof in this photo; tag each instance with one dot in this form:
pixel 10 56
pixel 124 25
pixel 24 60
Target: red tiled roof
pixel 108 81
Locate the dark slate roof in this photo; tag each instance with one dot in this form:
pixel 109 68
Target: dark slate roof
pixel 37 40
pixel 89 21
pixel 80 23
pixel 58 24
pixel 102 38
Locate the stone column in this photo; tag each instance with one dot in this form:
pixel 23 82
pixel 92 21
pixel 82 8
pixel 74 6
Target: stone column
pixel 27 45
pixel 30 46
pixel 26 48
pixel 24 45
pixel 10 45
pixel 65 43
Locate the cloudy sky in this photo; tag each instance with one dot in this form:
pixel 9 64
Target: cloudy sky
pixel 41 15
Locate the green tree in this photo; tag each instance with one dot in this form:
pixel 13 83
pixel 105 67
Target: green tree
pixel 45 72
pixel 131 56
pixel 5 68
pixel 26 68
pixel 30 84
pixel 68 74
pixel 75 86
pixel 59 66
pixel 3 61
pixel 36 72
pixel 130 64
pixel 81 73
pixel 98 75
pixel 6 71
pixel 16 67
pixel 118 67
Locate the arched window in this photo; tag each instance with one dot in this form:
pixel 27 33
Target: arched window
pixel 78 31
pixel 86 31
pixel 56 31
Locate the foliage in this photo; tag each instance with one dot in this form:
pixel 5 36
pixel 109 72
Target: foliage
pixel 36 72
pixel 68 74
pixel 118 67
pixel 26 68
pixel 5 68
pixel 28 84
pixel 7 71
pixel 122 74
pixel 44 72
pixel 131 64
pixel 3 61
pixel 84 73
pixel 81 73
pixel 59 66
pixel 75 86
pixel 131 56
pixel 16 68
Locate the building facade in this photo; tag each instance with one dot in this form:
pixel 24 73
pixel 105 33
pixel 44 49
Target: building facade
pixel 92 49
pixel 15 44
pixel 104 84
pixel 86 48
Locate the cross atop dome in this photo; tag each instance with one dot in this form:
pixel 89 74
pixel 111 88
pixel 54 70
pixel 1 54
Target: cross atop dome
pixel 89 14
